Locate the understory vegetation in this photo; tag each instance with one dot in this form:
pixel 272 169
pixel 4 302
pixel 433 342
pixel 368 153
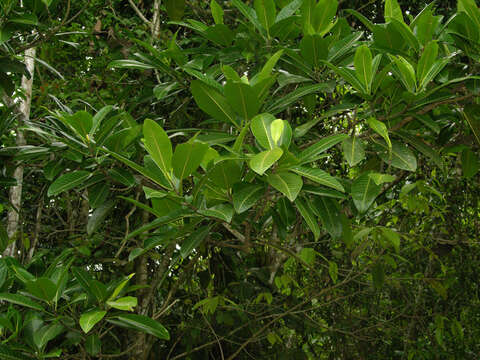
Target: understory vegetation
pixel 241 179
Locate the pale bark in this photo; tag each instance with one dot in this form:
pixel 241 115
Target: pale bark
pixel 15 195
pixel 156 19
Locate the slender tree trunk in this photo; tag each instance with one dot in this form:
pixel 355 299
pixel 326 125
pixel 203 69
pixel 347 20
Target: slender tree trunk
pixel 156 19
pixel 15 195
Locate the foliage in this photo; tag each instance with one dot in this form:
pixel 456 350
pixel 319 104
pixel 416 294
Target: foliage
pixel 242 179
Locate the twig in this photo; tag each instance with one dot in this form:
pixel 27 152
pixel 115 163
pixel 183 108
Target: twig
pixel 139 13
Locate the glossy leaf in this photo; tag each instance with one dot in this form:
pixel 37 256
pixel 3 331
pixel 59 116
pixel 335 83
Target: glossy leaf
pixel 20 300
pixel 288 184
pixel 158 146
pixel 193 241
pixel 42 288
pixel 321 146
pixel 363 66
pixel 217 12
pixel 212 102
pixel 266 12
pixel 264 160
pixel 187 158
pixel 329 214
pixel 68 181
pixel 127 303
pixel 319 176
pixel 89 319
pixel 144 324
pixel 353 150
pixel 245 196
pixel 364 192
pixel 400 157
pixel 308 215
pixel 242 98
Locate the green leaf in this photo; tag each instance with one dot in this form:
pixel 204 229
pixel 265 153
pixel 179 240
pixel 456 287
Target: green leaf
pixel 323 191
pixel 245 196
pixel 144 324
pixel 221 211
pixel 98 118
pixel 7 353
pixel 68 181
pixel 400 156
pixel 193 241
pixel 407 34
pixel 97 194
pixel 313 49
pixel 225 173
pixel 276 130
pixel 319 176
pixel 89 319
pixel 380 128
pixel 310 153
pixel 433 72
pixel 470 163
pixel 381 178
pixel 98 216
pixel 212 102
pixel 284 102
pixel 42 288
pixel 264 160
pixel 471 114
pixel 24 19
pixel 393 11
pixel 93 344
pixel 175 9
pixel 429 55
pixel 47 333
pixel 288 10
pixel 288 184
pixel 88 284
pixel 353 150
pixel 471 8
pixel 266 12
pixel 242 99
pixel 307 214
pixel 333 271
pixel 20 300
pixel 249 13
pixel 120 287
pixel 81 122
pixel 130 64
pixel 393 237
pixel 158 146
pixel 364 192
pixel 365 21
pixel 323 15
pixel 406 73
pixel 363 66
pixel 126 303
pixel 187 158
pixel 217 12
pixel 426 149
pixel 329 214
pixel 261 129
pixel 267 69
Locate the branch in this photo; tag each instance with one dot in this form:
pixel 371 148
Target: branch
pixel 139 13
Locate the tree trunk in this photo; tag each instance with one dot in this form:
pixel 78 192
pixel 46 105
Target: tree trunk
pixel 15 195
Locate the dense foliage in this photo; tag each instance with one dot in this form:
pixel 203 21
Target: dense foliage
pixel 242 179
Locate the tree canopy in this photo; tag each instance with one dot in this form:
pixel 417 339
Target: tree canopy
pixel 241 179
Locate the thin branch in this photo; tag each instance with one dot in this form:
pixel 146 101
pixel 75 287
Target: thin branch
pixel 139 13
